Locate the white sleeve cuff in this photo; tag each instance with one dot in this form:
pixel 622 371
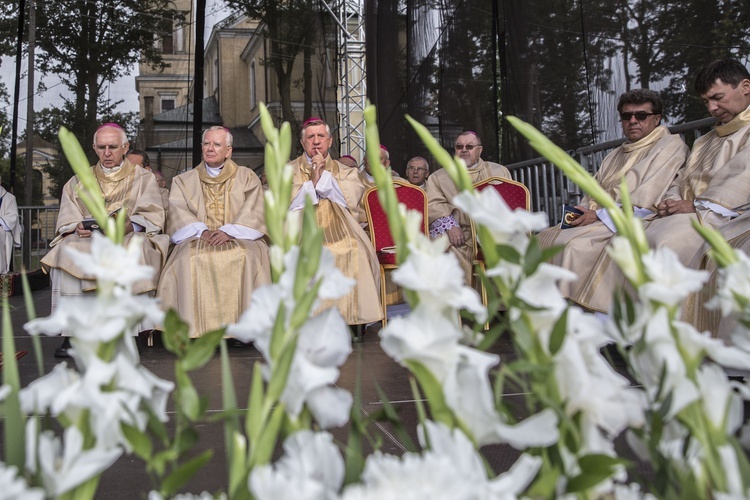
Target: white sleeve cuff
pixel 307 189
pixel 193 230
pixel 241 232
pixel 329 189
pixel 714 207
pixel 606 219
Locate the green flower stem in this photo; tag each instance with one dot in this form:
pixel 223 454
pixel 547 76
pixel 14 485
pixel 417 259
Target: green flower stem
pixel 454 166
pixel 721 251
pixel 623 219
pixel 386 192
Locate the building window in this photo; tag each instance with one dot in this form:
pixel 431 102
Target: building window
pixel 165 34
pixel 167 101
pixel 253 87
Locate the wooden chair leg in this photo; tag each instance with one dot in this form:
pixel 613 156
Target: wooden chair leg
pixel 383 296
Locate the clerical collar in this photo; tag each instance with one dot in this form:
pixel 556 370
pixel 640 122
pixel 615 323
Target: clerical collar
pixel 110 171
pixel 214 171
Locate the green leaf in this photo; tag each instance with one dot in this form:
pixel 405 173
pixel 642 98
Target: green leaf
pixel 263 449
pixel 159 461
pixel 281 369
pixel 28 301
pixel 237 458
pixel 557 337
pixel 176 334
pixel 254 416
pixel 533 257
pixel 594 470
pixel 184 473
pixel 15 423
pixel 138 440
pixel 187 439
pixel 157 427
pixel 433 391
pixel 202 349
pixel 187 397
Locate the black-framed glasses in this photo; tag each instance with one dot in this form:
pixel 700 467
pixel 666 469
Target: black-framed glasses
pixel 639 115
pixel 467 147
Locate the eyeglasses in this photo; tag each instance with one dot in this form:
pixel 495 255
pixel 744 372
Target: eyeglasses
pixel 467 147
pixel 639 115
pixel 416 169
pixel 104 148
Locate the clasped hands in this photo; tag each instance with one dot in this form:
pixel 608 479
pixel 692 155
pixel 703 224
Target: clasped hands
pixel 217 237
pixel 671 207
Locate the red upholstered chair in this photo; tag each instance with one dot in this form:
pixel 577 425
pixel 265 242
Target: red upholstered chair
pixel 516 195
pixel 415 199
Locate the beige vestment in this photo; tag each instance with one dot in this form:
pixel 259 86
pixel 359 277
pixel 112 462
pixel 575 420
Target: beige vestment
pixel 133 188
pixel 347 241
pixel 211 285
pixel 12 236
pixel 164 197
pixel 716 171
pixel 440 193
pixel 649 167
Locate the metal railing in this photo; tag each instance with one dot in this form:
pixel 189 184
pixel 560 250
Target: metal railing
pixel 38 231
pixel 550 189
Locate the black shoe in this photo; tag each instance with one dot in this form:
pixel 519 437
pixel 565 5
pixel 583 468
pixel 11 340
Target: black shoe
pixel 62 350
pixel 236 343
pixel 358 332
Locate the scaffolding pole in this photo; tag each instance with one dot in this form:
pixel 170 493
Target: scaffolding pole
pixel 352 85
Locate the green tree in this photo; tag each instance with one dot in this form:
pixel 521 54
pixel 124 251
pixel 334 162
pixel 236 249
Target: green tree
pixel 291 27
pixel 87 43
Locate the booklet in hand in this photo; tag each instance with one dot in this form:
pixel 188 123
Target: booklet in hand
pixel 90 223
pixel 570 213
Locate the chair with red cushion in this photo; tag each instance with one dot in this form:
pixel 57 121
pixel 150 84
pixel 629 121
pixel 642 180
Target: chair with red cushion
pixel 415 199
pixel 516 195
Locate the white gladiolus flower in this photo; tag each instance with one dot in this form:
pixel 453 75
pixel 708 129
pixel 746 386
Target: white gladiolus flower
pixel 720 403
pixel 257 321
pixel 469 394
pixel 589 385
pixel 311 468
pixel 508 227
pixel 450 469
pixel 155 495
pixel 463 372
pixel 5 390
pixel 733 280
pixel 323 344
pixel 540 290
pixel 115 267
pixel 659 355
pixel 622 253
pixel 14 487
pixel 64 464
pixel 39 396
pixel 428 338
pixel 112 317
pixel 671 282
pixel 113 392
pixel 436 276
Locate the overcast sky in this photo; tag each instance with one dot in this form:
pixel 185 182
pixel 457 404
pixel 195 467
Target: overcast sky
pixel 123 89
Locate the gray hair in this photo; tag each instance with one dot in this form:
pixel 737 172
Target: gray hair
pixel 230 139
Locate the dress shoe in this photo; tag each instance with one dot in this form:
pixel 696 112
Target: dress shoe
pixel 62 349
